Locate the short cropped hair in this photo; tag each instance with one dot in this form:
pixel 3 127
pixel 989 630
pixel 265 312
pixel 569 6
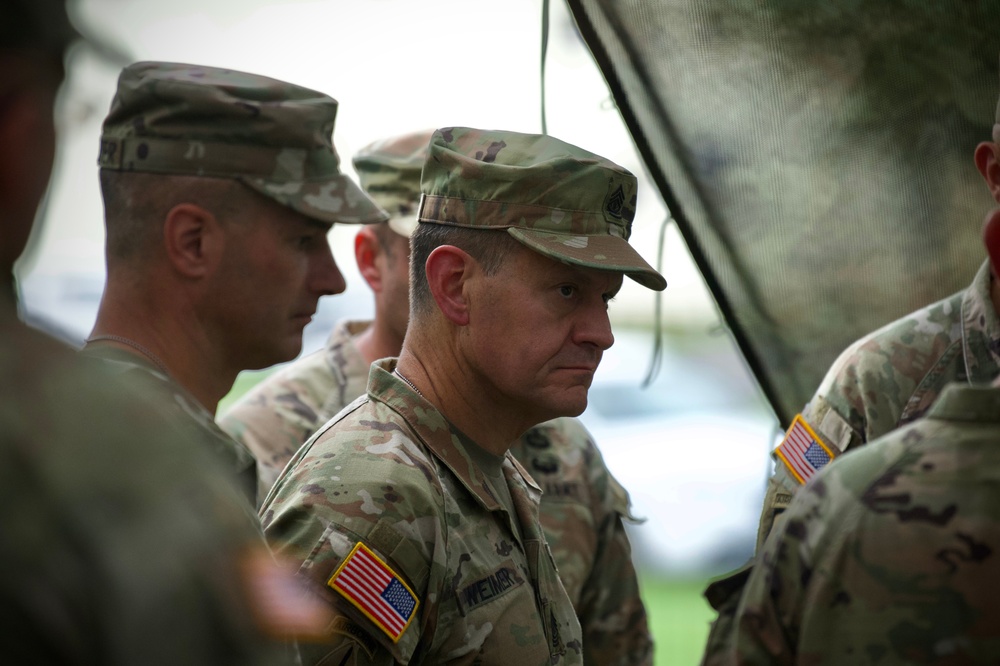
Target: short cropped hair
pixel 489 247
pixel 389 241
pixel 135 205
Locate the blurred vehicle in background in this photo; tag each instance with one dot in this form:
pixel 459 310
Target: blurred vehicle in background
pixel 692 449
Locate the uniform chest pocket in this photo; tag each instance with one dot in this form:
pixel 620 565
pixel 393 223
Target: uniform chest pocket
pixel 481 588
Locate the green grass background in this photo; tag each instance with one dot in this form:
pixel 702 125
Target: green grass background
pixel 679 616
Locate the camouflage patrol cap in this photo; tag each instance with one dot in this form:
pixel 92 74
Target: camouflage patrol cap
pixel 275 137
pixel 389 171
pixel 557 199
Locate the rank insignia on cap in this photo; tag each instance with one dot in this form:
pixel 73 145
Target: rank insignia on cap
pixel 614 203
pixel 802 451
pixel 376 590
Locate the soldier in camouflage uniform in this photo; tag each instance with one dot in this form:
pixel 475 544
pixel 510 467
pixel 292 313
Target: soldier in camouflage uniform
pixel 522 241
pixel 219 190
pixel 886 380
pixel 119 544
pixel 892 555
pixel 582 506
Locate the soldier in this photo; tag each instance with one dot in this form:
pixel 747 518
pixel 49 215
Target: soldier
pixel 522 242
pixel 582 505
pixel 893 553
pixel 219 189
pixel 883 381
pixel 119 544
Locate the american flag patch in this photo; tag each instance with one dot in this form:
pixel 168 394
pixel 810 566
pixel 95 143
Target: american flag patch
pixel 375 590
pixel 803 451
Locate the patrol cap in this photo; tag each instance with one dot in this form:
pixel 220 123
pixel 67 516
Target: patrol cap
pixel 389 171
pixel 559 200
pixel 275 137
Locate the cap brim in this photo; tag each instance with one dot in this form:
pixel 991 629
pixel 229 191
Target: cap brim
pixel 603 252
pixel 337 199
pixel 404 225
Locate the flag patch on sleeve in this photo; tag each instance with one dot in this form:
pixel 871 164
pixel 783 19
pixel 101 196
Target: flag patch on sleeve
pixel 802 451
pixel 376 590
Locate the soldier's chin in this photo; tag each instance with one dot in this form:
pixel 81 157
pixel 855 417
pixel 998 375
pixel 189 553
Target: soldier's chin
pixel 274 354
pixel 570 404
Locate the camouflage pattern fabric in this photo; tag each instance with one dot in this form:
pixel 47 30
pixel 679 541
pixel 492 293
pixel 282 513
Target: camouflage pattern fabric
pixel 582 512
pixel 582 507
pixel 391 473
pixel 273 136
pixel 892 377
pixel 119 545
pixel 557 199
pixel 276 417
pixel 892 555
pixel 187 413
pixel 883 381
pixel 389 171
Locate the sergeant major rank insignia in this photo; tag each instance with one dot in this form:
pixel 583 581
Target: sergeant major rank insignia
pixel 617 208
pixel 376 590
pixel 614 203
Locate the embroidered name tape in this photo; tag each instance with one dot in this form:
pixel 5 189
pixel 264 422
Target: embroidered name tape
pixel 489 587
pixel 376 590
pixel 802 451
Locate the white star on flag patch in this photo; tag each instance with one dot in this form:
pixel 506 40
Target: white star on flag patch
pixel 376 590
pixel 802 451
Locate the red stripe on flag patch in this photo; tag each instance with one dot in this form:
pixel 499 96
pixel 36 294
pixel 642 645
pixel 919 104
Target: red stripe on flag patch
pixel 802 450
pixel 376 590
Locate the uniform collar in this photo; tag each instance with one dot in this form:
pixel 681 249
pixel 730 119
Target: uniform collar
pixel 342 355
pixel 126 361
pixel 980 330
pixel 446 442
pixel 959 402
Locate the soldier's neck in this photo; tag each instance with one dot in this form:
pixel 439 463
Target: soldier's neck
pixel 453 391
pixel 995 293
pixel 177 344
pixel 376 342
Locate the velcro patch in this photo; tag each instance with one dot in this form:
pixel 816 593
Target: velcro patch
pixel 376 590
pixel 341 625
pixel 489 587
pixel 802 450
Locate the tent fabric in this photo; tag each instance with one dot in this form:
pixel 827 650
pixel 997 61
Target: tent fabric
pixel 816 156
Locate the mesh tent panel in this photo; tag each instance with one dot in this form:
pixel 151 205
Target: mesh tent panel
pixel 817 157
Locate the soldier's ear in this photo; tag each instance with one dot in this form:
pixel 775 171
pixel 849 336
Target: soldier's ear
pixel 193 240
pixel 987 158
pixel 366 251
pixel 448 271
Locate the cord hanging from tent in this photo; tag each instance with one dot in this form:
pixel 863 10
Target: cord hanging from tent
pixel 656 361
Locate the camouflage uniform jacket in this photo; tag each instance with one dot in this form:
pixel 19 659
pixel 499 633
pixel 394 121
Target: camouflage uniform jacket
pixel 881 382
pixel 582 509
pixel 892 555
pixel 390 473
pixel 892 376
pixel 118 544
pixel 281 412
pixel 188 413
